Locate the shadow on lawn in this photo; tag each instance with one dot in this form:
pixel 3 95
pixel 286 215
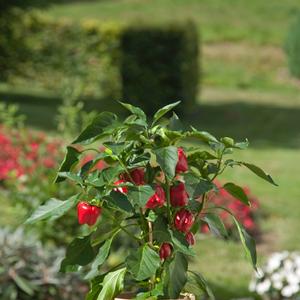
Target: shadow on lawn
pixel 263 125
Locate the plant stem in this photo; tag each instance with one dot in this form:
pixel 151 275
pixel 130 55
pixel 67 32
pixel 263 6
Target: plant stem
pixel 150 236
pixel 168 200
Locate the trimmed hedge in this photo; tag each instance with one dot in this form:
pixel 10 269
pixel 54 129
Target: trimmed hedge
pixel 160 65
pixel 292 47
pixel 150 66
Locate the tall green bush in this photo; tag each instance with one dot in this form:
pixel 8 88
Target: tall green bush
pixel 149 65
pixel 160 64
pixel 292 47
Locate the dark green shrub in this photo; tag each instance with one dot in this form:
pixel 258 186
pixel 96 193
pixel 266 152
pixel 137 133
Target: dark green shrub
pixel 12 41
pixel 149 65
pixel 160 65
pixel 292 47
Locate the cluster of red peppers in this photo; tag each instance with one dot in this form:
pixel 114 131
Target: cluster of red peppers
pixel 183 219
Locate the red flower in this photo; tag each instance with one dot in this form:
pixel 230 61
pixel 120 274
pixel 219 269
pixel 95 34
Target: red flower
pixel 165 251
pixel 190 238
pixel 87 214
pixel 121 189
pixel 182 164
pixel 178 195
pixel 158 199
pixel 183 220
pixel 49 162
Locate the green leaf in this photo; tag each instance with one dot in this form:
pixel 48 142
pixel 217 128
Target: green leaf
pixel 135 110
pixel 140 194
pixel 112 285
pixel 175 123
pixel 142 264
pixel 79 252
pixel 200 282
pixel 259 172
pixel 248 243
pixel 167 158
pixel 71 158
pixel 102 125
pixel 160 230
pixel 216 225
pixel 120 201
pixel 202 187
pixel 116 148
pixel 71 176
pixel 176 276
pixel 100 258
pixel 23 284
pixel 237 192
pixel 161 112
pixel 204 136
pixel 241 145
pixel 180 243
pixel 95 288
pixel 106 177
pixel 53 209
pixel 200 155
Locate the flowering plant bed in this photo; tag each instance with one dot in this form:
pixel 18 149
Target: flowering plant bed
pixel 154 190
pixel 245 214
pixel 24 153
pixel 279 278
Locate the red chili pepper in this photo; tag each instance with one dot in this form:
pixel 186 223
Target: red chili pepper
pixel 182 164
pixel 183 220
pixel 190 238
pixel 158 199
pixel 165 251
pixel 87 214
pixel 178 195
pixel 121 189
pixel 137 176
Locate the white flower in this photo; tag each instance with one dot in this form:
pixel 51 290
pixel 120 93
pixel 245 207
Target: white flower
pixel 289 290
pixel 263 286
pixel 292 278
pixel 281 272
pixel 278 285
pixel 273 263
pixel 288 265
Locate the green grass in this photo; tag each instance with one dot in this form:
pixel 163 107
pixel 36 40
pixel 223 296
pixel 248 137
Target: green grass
pixel 259 22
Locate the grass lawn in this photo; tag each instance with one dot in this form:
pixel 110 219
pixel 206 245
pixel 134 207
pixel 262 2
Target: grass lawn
pixel 261 22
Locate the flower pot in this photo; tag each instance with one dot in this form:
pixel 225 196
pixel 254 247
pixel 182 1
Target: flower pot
pixel 126 296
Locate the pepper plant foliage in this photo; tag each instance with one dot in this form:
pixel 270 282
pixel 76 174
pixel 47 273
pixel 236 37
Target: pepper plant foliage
pixel 154 190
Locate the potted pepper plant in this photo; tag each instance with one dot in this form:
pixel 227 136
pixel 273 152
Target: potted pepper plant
pixel 153 189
